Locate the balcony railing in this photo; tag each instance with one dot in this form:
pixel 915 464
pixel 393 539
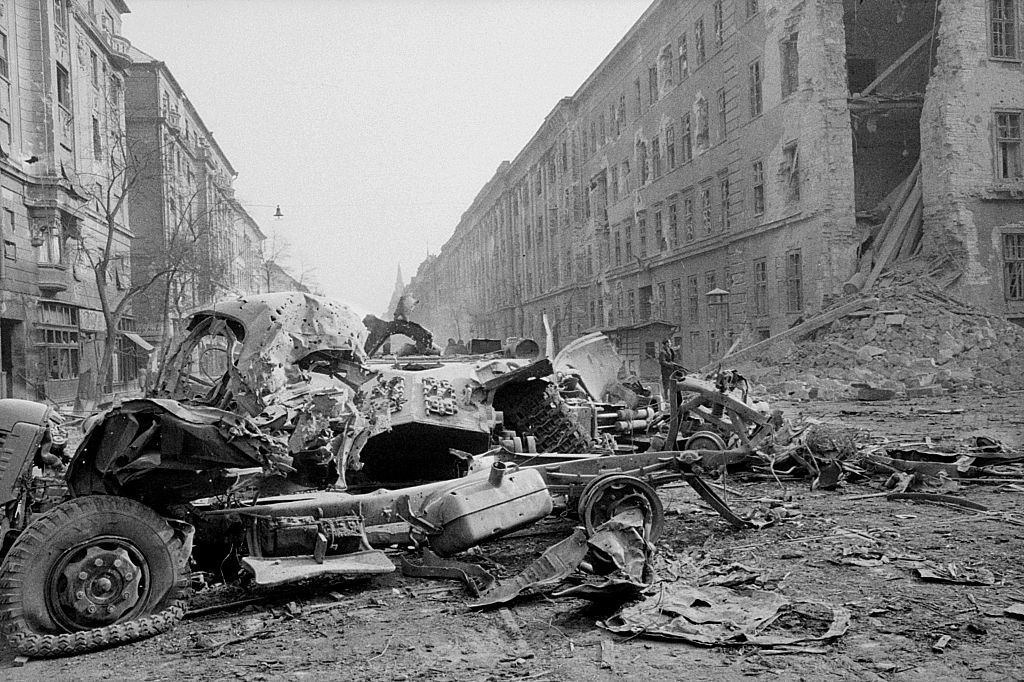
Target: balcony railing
pixel 52 277
pixel 121 48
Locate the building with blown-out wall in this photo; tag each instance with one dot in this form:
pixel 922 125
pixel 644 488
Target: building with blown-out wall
pixel 725 169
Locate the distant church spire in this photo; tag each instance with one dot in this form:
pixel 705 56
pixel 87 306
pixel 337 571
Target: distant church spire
pixel 396 295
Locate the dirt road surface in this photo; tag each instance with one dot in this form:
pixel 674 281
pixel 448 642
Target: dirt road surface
pixel 402 628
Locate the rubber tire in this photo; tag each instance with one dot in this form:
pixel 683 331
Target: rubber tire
pixel 24 619
pixel 592 493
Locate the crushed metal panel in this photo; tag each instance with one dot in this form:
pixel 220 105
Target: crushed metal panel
pixel 594 358
pixel 288 569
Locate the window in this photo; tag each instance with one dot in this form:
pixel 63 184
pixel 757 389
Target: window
pixel 656 157
pixel 710 284
pixel 794 282
pixel 790 65
pixel 639 99
pixel 127 356
pixel 60 15
pixel 688 217
pixel 719 15
pixel 641 218
pixel 51 249
pixel 659 233
pixel 686 140
pixel 628 237
pixel 631 305
pixel 1009 162
pixel 624 177
pixel 791 169
pixel 698 41
pixel 63 87
pixel 652 84
pixel 694 345
pixel 613 185
pixel 601 134
pixel 756 102
pixel 677 300
pixel 1013 266
pixel 620 120
pixel 97 140
pixel 722 128
pixel 751 8
pixel 646 296
pixel 57 340
pixel 673 224
pixel 660 302
pixel 713 344
pixel 94 69
pixel 593 137
pixel 757 184
pixel 618 248
pixel 684 66
pixel 1003 17
pixel 761 287
pixel 705 209
pixel 723 187
pixel 693 290
pixel 670 146
pixel 641 161
pixel 703 126
pixel 5 65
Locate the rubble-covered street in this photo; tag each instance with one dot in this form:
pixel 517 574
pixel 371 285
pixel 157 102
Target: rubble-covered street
pixel 850 547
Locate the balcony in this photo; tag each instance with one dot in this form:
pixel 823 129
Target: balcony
pixel 120 47
pixel 52 277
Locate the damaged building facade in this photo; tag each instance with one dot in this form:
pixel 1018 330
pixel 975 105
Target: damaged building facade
pixel 61 110
pixel 194 237
pixel 724 170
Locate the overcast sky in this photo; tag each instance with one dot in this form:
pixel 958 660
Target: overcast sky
pixel 373 124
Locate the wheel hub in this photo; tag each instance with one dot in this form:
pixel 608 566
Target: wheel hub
pixel 101 583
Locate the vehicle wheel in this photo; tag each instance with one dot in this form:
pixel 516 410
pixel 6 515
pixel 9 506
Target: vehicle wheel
pixel 92 572
pixel 606 496
pixel 705 440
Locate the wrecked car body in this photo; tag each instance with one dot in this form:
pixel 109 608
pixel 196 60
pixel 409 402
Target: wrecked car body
pixel 236 465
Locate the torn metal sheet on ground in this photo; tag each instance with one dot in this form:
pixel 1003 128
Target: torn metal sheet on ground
pixel 716 616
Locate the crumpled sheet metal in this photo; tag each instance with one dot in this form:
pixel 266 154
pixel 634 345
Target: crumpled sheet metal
pixel 721 616
pixel 617 551
pixel 594 358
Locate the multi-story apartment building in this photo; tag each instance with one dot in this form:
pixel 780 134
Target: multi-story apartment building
pixel 705 180
pixel 193 237
pixel 61 112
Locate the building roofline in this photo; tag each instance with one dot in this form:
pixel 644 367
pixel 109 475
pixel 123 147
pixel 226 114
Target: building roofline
pixel 121 6
pixel 158 65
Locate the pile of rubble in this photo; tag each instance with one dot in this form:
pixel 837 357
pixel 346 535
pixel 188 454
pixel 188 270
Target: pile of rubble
pixel 911 339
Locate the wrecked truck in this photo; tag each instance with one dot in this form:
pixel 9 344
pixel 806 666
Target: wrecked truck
pixel 235 466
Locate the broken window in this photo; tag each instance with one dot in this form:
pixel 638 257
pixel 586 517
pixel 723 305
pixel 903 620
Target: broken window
pixel 1003 15
pixel 791 171
pixel 693 288
pixel 686 140
pixel 705 209
pixel 1009 162
pixel 673 224
pixel 723 186
pixel 756 102
pixel 684 66
pixel 652 85
pixel 58 340
pixel 703 126
pixel 1013 266
pixel 719 17
pixel 688 217
pixel 659 233
pixel 722 127
pixel 761 287
pixel 757 184
pixel 794 282
pixel 655 158
pixel 670 146
pixel 790 65
pixel 751 8
pixel 698 41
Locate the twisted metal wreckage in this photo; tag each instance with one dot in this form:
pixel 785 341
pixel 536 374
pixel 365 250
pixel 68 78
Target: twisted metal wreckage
pixel 274 449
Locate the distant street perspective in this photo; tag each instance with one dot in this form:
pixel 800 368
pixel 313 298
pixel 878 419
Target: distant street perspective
pixel 719 374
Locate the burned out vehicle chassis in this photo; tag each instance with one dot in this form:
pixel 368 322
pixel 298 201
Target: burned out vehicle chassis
pixel 248 460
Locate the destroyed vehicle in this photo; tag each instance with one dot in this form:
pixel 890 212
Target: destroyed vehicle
pixel 235 467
